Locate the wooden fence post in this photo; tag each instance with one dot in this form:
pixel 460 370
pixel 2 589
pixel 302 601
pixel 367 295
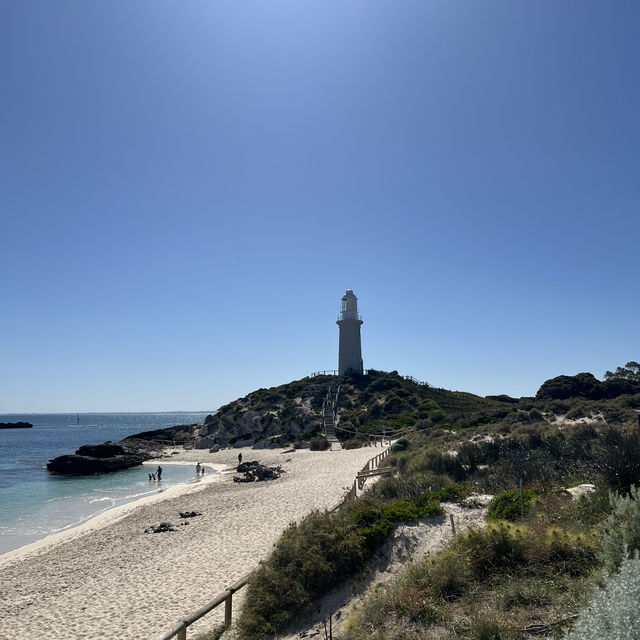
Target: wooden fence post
pixel 227 611
pixel 453 524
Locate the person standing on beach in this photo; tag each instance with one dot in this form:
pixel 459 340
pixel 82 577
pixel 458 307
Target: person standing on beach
pixel 159 472
pixel 239 458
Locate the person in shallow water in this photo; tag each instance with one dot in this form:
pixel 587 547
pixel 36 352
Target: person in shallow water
pixel 159 472
pixel 198 468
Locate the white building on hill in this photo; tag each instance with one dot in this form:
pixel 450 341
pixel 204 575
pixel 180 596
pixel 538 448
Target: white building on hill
pixel 350 349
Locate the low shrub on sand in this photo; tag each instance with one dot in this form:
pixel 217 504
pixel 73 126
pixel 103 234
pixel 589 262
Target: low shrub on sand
pixel 318 443
pixel 507 505
pixel 517 572
pixel 319 553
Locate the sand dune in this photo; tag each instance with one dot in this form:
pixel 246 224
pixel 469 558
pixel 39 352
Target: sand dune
pixel 109 579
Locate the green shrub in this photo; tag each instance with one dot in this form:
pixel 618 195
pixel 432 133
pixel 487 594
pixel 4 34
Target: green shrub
pixel 504 547
pixel 312 557
pixel 436 462
pixel 485 629
pixel 318 443
pixel 450 493
pixel 588 510
pixel 519 566
pixel 408 486
pixel 354 443
pixel 613 613
pixel 519 594
pixel 576 412
pixel 308 559
pixel 401 445
pixel 621 529
pixel 507 505
pixel 446 577
pixel 618 458
pixel 494 548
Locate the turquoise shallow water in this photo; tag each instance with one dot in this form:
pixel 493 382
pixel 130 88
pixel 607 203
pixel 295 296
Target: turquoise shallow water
pixel 35 503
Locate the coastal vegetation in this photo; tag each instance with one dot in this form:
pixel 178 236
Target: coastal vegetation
pixel 539 559
pixel 318 553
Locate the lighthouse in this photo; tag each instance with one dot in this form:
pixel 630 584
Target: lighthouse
pixel 350 350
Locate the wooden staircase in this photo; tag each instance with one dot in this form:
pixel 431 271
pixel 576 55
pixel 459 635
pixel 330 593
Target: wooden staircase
pixel 330 417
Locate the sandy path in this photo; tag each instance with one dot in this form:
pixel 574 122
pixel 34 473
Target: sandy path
pixel 108 579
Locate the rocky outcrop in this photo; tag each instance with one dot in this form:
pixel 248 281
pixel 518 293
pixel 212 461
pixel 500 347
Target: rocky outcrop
pixel 255 472
pixel 103 458
pixel 130 452
pixel 77 465
pixel 278 416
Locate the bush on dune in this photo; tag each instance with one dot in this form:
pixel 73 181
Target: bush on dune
pixel 613 613
pixel 618 458
pixel 319 553
pixel 502 560
pixel 621 530
pixel 507 505
pixel 318 443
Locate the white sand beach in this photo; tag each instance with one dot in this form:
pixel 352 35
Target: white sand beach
pixel 110 579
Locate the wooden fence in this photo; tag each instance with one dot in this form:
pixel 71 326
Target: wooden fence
pixel 179 630
pixel 369 470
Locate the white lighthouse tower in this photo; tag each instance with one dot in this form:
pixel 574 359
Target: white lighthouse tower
pixel 350 350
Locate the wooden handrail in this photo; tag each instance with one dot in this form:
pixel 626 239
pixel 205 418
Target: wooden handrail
pixel 180 629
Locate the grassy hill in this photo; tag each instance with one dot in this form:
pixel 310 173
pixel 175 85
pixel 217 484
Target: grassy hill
pixel 385 402
pixel 367 404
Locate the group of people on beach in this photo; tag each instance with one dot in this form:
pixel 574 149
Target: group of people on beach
pixel 157 475
pixel 199 469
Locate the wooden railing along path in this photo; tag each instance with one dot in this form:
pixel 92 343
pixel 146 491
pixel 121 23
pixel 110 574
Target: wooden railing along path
pixel 179 630
pixel 370 469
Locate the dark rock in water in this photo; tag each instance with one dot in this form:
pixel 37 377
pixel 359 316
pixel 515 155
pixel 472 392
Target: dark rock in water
pixel 82 465
pixel 255 472
pixel 189 514
pixel 161 528
pixel 130 452
pixel 106 450
pixel 103 458
pixel 16 425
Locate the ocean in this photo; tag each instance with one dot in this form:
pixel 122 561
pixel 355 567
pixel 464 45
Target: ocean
pixel 35 504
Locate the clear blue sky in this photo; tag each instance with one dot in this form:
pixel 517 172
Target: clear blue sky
pixel 188 188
